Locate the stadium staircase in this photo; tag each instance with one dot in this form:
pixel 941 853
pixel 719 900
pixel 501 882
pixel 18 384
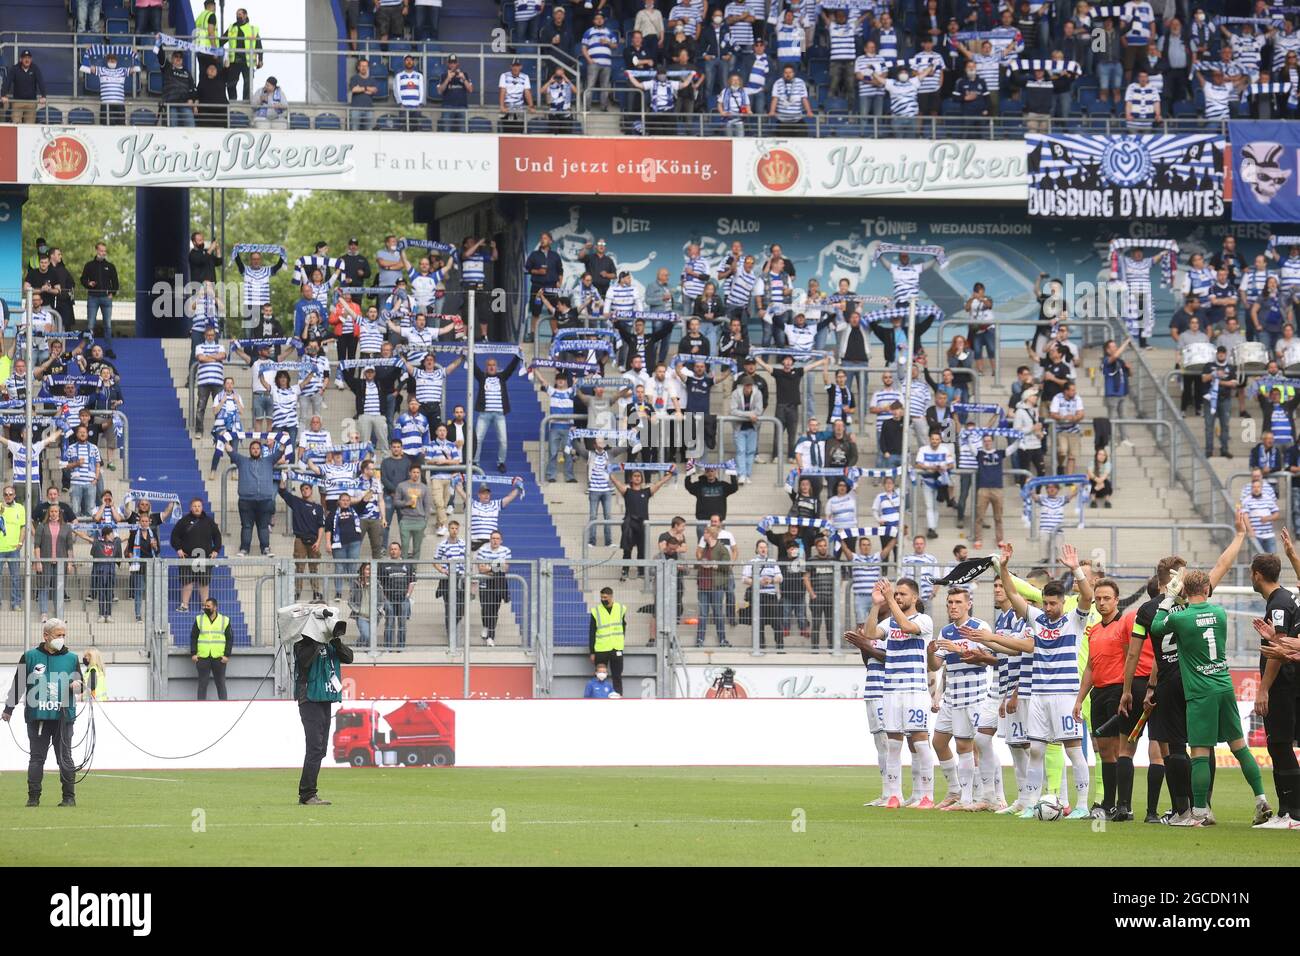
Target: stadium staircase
pixel 528 527
pixel 162 459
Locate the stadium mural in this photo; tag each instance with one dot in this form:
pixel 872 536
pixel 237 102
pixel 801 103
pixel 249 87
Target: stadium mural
pixel 1002 247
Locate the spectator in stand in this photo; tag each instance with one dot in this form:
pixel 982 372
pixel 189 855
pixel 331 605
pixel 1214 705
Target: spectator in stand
pixel 1099 479
pixel 270 107
pixel 649 22
pixel 53 543
pixel 493 589
pixel 411 501
pixel 371 394
pixel 514 98
pixel 112 88
pixel 558 30
pixel 1266 456
pixel 1219 382
pixel 408 88
pixel 307 523
pixel 1115 384
pixel 213 98
pixel 362 90
pixel 256 493
pixel 396 585
pixel 142 545
pixel 1067 411
pixel 195 536
pixel 203 259
pixel 454 89
pixel 99 277
pixel 243 44
pixel 1278 414
pixel 390 21
pixel 711 494
pixel 343 533
pixel 492 406
pixel 1260 504
pixel 426 20
pixel 597 49
pixel 81 458
pixel 179 92
pixel 24 89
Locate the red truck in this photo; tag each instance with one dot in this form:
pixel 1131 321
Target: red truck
pixel 422 734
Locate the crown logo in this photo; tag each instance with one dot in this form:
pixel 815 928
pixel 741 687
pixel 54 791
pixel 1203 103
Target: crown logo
pixel 778 170
pixel 64 158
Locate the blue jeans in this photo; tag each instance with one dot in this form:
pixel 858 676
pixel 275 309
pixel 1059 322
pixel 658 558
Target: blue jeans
pixel 425 25
pixel 597 500
pixel 861 607
pixel 363 628
pixel 83 499
pixel 746 448
pixel 984 343
pixel 1110 76
pixel 527 31
pixel 361 119
pixel 1223 415
pixel 99 302
pixel 13 561
pixel 179 114
pixel 1267 545
pixel 887 461
pixel 555 443
pixel 88 15
pixel 345 561
pixel 255 512
pixel 103 584
pixel 453 121
pixel 395 622
pixel 711 602
pixel 497 421
pixel 871 106
pixel 50 579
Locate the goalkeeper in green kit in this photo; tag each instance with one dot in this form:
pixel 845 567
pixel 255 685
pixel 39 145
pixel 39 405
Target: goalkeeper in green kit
pixel 1200 629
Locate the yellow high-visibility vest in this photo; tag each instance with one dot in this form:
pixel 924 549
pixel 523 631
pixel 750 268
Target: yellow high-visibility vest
pixel 241 40
pixel 201 28
pixel 609 627
pixel 212 635
pixel 96 683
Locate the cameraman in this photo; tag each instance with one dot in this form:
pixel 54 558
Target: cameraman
pixel 317 684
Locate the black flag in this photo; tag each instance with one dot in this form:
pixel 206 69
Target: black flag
pixel 965 572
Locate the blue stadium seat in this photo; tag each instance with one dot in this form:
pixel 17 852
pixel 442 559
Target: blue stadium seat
pixel 1184 108
pixel 329 121
pixel 1008 107
pixel 423 123
pixel 299 121
pixel 479 124
pixel 116 26
pixel 153 83
pixel 143 117
pixel 239 119
pixel 49 116
pixel 388 122
pixel 80 116
pixel 835 104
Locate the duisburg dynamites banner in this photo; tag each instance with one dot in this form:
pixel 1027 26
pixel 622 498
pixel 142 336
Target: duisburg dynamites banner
pixel 1265 161
pixel 1126 177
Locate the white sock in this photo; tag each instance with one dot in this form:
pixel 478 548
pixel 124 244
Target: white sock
pixel 951 774
pixel 966 776
pixel 882 755
pixel 923 770
pixel 1020 764
pixel 1034 779
pixel 894 768
pixel 1082 775
pixel 990 769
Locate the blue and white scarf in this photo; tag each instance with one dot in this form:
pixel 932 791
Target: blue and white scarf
pixel 1033 484
pixel 696 465
pixel 263 247
pixel 912 250
pixel 771 521
pixel 682 359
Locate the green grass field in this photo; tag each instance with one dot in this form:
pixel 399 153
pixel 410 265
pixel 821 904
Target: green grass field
pixel 643 816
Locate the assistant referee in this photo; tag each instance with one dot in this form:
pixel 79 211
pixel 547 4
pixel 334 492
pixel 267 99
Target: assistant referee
pixel 1108 645
pixel 605 636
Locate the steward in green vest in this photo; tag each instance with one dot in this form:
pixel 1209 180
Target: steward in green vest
pixel 318 659
pixel 211 640
pixel 206 25
pixel 243 46
pixel 49 677
pixel 605 636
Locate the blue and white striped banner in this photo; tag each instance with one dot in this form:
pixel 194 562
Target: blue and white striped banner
pixel 1033 484
pixel 771 521
pixel 266 248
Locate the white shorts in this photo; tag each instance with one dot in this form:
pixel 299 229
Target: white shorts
pixel 960 722
pixel 986 715
pixel 875 716
pixel 1051 718
pixel 907 712
pixel 1013 728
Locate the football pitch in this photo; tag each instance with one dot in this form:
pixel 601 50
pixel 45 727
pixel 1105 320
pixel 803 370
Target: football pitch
pixel 626 816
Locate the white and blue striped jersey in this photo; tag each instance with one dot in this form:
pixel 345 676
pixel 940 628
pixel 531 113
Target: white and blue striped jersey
pixel 1051 512
pixel 1258 510
pixel 598 473
pixel 371 405
pixel 204 313
pixel 621 300
pixel 1010 678
pixel 1246 52
pixel 495 558
pixel 1198 281
pixel 284 409
pixel 210 373
pixel 412 431
pixel 887 43
pixel 742 31
pixel 866 572
pixel 492 394
pixel 885 397
pixel 905 655
pixel 1056 652
pixel 789 42
pixel 599 43
pixel 1139 15
pixel 442 448
pixel 1289 272
pixel 843 510
pixel 874 686
pixel 483 518
pixel 1142 101
pixel 311 441
pixel 902 99
pixel 843 37
pixel 1218 99
pixel 338 479
pixel 320 366
pixel 888 509
pixel 907 278
pixel 967 683
pixel 408 89
pixel 693 285
pixel 758 70
pixel 921 568
pixel 1067 406
pixel 450 552
pixel 418 342
pixel 740 288
pixel 18 451
pixel 429 385
pixel 934 456
pixel 868 66
pixel 514 87
pixel 370 334
pixel 88 455
pixel 925 61
pixel 257 286
pixel 1253 283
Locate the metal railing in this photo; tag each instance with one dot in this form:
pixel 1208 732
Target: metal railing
pixel 1175 530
